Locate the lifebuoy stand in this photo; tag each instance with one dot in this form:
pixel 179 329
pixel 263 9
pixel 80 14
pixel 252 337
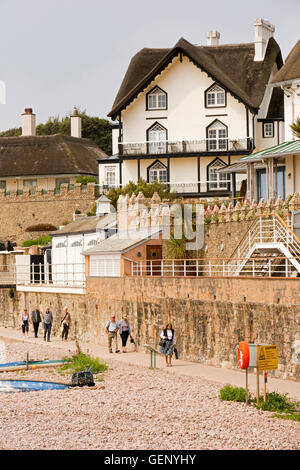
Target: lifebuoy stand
pixel 243 358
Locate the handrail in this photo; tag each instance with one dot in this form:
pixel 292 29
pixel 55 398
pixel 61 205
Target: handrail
pixel 288 228
pixel 244 237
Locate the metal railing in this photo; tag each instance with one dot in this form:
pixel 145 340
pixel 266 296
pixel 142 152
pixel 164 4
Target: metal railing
pixel 255 267
pixel 197 187
pixel 271 234
pixel 186 146
pixel 58 275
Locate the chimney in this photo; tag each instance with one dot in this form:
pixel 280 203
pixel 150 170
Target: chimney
pixel 75 124
pixel 28 122
pixel 263 31
pixel 213 38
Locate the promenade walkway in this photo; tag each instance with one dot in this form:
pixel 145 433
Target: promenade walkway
pixel 180 367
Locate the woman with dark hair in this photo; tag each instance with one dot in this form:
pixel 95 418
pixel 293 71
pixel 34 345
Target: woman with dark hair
pixel 167 343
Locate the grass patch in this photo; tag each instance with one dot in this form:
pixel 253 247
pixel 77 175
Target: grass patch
pixel 80 362
pixel 277 402
pixel 230 393
pixel 291 416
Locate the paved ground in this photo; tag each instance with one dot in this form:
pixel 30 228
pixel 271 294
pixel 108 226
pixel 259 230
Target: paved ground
pixel 181 368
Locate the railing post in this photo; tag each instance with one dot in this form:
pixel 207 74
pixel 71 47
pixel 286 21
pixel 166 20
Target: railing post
pixel 197 270
pixel 151 269
pixel 253 268
pixel 173 268
pixel 162 267
pixel 260 229
pixel 184 268
pixel 209 268
pixel 270 267
pixel 286 267
pixel 274 229
pixel 223 268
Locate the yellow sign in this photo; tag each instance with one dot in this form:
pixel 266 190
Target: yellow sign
pixel 267 357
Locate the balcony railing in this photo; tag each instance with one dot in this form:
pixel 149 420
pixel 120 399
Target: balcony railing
pixel 46 274
pixel 197 187
pixel 186 146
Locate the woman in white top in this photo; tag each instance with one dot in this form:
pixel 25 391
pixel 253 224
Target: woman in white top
pixel 168 337
pixel 25 321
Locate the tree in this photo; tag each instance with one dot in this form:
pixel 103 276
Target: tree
pixel 94 128
pixel 296 128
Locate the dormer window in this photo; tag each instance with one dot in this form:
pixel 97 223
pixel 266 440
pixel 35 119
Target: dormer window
pixel 156 99
pixel 215 97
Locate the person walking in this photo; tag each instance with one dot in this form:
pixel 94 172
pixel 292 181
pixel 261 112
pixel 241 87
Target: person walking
pixel 111 329
pixel 124 330
pixel 167 343
pixel 25 322
pixel 36 320
pixel 47 321
pixel 65 323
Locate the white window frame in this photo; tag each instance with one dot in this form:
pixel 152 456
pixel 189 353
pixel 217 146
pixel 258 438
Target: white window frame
pixel 30 183
pixel 156 99
pixel 266 133
pixel 217 137
pixel 215 97
pixel 158 172
pixel 216 180
pixel 157 139
pixel 110 176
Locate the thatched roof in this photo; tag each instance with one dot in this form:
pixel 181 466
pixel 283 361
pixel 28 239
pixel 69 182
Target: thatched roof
pixel 232 66
pixel 291 67
pixel 87 224
pixel 48 155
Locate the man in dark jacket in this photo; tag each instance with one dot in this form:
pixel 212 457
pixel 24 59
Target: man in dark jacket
pixel 36 320
pixel 47 320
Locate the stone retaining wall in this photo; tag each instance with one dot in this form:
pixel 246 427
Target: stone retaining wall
pixel 210 315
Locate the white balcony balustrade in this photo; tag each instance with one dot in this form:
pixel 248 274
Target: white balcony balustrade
pixel 186 146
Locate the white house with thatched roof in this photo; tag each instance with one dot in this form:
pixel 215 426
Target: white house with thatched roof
pixel 184 112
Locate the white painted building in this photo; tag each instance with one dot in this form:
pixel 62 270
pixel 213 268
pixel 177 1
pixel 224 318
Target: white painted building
pixel 183 113
pixel 275 170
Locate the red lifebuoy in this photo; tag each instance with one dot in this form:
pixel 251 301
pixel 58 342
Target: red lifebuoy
pixel 243 354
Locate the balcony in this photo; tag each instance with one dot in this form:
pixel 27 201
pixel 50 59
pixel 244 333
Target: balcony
pixel 187 147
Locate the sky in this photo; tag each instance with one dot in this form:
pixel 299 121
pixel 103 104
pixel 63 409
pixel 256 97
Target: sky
pixel 58 54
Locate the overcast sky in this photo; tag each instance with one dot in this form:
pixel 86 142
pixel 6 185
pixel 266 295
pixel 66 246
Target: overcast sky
pixel 60 53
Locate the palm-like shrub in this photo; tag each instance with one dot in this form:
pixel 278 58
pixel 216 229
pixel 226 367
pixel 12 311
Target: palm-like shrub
pixel 296 127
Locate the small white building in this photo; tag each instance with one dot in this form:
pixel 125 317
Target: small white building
pixel 182 113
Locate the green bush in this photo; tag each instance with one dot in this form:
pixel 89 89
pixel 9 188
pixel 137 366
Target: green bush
pixel 276 402
pixel 230 393
pixel 292 417
pixel 86 179
pixel 38 241
pixel 80 362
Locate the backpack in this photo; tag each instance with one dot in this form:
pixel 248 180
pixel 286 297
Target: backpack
pixel 79 379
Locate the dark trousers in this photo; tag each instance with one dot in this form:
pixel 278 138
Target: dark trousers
pixel 124 335
pixel 47 330
pixel 36 328
pixel 25 326
pixel 65 331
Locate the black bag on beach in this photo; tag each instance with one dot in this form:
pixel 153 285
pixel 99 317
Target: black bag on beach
pixel 176 353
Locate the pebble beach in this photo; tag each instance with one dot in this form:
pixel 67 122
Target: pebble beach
pixel 132 407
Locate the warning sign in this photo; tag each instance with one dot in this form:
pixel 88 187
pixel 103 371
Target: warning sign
pixel 267 357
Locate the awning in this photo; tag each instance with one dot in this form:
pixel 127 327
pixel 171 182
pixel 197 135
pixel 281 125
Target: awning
pixel 281 150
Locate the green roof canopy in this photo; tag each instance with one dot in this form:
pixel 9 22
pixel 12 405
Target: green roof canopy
pixel 286 148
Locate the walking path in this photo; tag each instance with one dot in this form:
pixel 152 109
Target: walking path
pixel 187 368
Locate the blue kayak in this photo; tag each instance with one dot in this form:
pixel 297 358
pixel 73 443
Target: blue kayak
pixel 30 363
pixel 10 386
